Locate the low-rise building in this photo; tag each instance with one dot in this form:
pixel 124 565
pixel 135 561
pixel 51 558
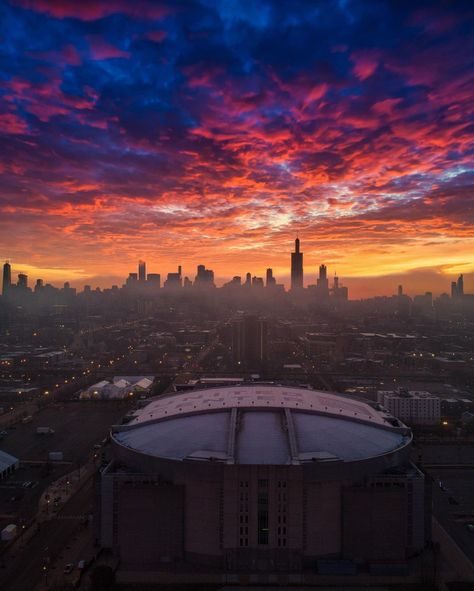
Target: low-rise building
pixel 411 406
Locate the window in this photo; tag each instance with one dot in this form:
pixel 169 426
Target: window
pixel 244 514
pixel 282 509
pixel 262 517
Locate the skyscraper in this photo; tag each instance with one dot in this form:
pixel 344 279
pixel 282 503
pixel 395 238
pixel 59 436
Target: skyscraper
pixel 174 280
pixel 141 271
pixel 7 277
pixel 22 281
pixel 297 267
pixel 460 285
pixel 270 280
pixel 154 279
pixel 249 342
pixel 204 277
pixel 322 283
pixel 454 289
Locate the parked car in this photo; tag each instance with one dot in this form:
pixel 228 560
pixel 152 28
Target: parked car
pixel 82 564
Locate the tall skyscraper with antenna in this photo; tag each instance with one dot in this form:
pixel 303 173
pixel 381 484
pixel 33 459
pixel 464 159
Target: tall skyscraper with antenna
pixel 297 267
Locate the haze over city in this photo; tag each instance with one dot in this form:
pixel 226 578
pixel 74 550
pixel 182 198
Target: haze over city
pixel 201 132
pixel 236 295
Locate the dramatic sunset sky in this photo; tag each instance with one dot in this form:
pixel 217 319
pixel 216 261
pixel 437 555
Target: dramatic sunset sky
pixel 214 131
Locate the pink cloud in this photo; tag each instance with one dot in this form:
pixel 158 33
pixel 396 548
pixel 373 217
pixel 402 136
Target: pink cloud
pixel 365 64
pixel 317 92
pixel 12 124
pixel 386 107
pixel 101 50
pixel 91 10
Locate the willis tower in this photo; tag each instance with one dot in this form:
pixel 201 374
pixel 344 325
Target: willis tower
pixel 297 267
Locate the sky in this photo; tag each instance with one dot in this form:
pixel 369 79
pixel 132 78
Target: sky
pixel 215 131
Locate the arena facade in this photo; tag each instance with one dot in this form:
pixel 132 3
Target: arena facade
pixel 260 478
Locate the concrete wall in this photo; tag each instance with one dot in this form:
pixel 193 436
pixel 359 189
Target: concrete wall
pixel 150 523
pixel 323 518
pixel 374 523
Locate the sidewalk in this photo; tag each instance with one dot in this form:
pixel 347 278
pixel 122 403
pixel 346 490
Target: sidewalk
pixel 59 492
pixel 80 547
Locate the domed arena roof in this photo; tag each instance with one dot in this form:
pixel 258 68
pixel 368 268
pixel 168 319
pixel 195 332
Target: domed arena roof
pixel 261 424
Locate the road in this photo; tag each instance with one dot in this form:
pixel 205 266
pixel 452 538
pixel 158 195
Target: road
pixel 25 570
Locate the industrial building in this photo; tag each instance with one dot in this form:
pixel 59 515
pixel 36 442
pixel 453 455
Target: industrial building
pixel 8 464
pixel 260 478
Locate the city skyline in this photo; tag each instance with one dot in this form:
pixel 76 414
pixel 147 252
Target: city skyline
pixel 295 279
pixel 236 294
pixel 363 286
pixel 191 135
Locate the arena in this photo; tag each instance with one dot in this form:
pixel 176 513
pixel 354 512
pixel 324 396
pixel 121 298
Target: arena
pixel 260 478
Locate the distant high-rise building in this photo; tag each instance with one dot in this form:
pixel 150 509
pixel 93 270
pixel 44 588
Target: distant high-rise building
pixel 400 290
pixel 322 282
pixel 235 282
pixel 270 280
pixel 39 285
pixel 174 280
pixel 7 277
pixel 460 285
pixel 248 280
pixel 454 289
pixel 68 290
pixel 141 271
pixel 297 267
pixel 339 291
pixel 249 342
pixel 204 277
pixel 423 304
pixel 22 281
pixel 131 280
pixel 257 282
pixel 154 279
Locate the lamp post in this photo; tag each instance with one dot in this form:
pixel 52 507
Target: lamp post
pixel 22 532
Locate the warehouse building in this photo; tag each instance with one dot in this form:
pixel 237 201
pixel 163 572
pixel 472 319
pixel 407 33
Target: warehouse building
pixel 8 464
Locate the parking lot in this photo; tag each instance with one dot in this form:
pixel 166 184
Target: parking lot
pixel 78 426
